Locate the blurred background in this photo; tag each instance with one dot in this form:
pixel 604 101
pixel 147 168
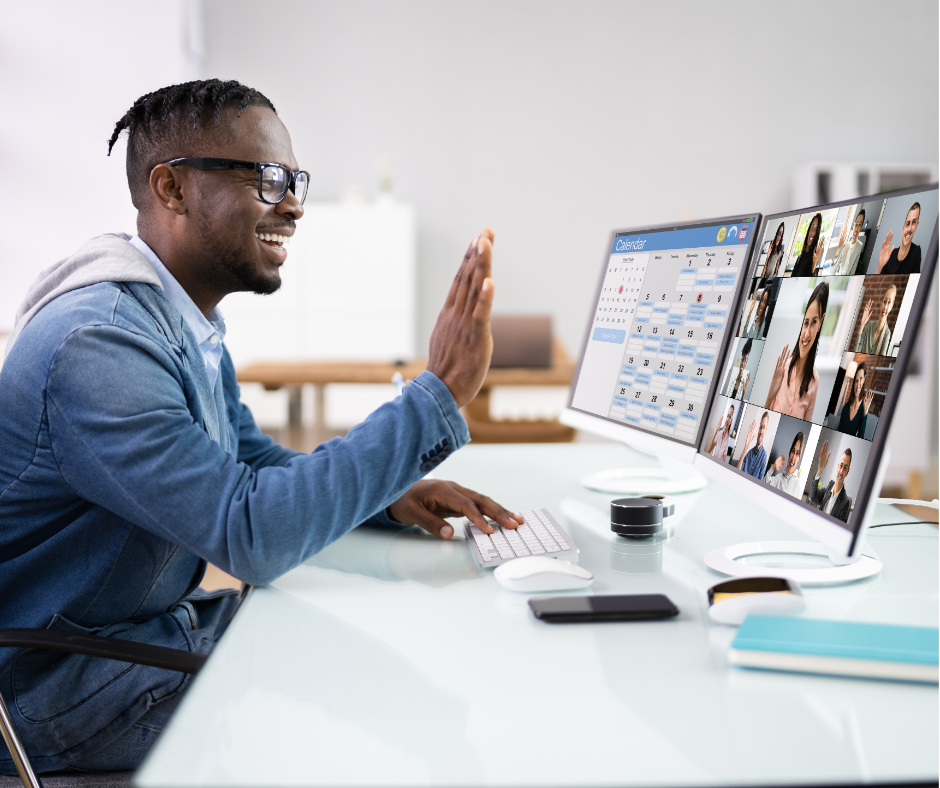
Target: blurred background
pixel 420 122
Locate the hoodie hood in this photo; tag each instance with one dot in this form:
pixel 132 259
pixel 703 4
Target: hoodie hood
pixel 105 258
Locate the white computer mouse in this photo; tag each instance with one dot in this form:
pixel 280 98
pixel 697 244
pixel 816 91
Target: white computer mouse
pixel 733 611
pixel 541 573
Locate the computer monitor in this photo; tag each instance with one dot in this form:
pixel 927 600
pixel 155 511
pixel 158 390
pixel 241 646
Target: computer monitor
pixel 835 295
pixel 798 401
pixel 662 321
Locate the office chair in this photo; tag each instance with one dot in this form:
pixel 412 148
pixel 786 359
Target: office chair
pixel 107 648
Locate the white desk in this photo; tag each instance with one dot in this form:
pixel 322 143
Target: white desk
pixel 389 660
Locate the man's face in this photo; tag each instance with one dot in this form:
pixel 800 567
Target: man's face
pixel 230 216
pixel 762 429
pixel 842 469
pixel 910 227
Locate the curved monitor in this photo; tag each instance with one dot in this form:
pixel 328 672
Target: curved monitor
pixel 834 297
pixel 663 318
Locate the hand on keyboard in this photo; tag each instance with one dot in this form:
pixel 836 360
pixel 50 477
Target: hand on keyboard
pixel 539 535
pixel 429 501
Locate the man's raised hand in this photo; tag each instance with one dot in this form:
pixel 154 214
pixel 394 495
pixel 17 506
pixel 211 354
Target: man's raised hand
pixel 886 248
pixel 461 344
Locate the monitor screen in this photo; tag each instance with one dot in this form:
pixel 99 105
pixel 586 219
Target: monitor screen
pixel 663 316
pixel 833 298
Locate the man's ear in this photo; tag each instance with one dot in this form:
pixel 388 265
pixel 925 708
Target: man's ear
pixel 166 184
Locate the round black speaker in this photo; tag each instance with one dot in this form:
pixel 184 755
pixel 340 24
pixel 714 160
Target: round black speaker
pixel 636 517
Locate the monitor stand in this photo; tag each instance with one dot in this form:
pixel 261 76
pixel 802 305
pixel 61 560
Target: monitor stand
pixel 826 569
pixel 817 566
pixel 673 477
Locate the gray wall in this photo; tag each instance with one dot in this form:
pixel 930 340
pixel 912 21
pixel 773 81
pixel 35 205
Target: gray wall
pixel 557 121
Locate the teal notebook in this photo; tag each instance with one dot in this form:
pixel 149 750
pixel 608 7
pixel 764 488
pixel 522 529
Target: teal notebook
pixel 841 648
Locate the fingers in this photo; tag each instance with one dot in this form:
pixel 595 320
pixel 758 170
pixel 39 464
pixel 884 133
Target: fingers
pixel 491 508
pixel 461 272
pixel 482 268
pixel 473 270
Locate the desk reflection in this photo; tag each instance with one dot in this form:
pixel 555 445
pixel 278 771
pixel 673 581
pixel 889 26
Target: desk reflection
pixel 400 553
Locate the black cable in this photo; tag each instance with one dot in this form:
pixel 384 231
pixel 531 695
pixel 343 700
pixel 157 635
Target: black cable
pixel 907 522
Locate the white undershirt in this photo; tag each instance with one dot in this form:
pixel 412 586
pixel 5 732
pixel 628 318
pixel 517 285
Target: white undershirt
pixel 209 332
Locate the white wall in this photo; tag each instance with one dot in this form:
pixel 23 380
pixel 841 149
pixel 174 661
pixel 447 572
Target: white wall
pixel 68 72
pixel 556 121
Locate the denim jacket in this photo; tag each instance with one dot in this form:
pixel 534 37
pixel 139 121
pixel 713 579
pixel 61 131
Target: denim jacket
pixel 122 473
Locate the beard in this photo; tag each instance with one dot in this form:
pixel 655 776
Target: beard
pixel 230 265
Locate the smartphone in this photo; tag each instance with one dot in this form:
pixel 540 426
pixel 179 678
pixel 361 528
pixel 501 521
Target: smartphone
pixel 629 607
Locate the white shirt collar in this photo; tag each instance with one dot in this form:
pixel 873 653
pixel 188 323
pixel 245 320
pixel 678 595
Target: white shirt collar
pixel 201 326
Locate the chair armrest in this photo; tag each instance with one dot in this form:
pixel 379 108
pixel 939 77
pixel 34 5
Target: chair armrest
pixel 109 648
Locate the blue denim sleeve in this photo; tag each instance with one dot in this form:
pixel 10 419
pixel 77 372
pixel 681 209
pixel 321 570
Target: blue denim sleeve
pixel 124 438
pixel 255 449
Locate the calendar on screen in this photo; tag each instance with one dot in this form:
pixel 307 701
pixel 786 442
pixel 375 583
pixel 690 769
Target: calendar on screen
pixel 662 316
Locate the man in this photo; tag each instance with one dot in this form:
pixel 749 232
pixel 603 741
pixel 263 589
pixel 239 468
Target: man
pixel 833 499
pixel 788 481
pixel 875 337
pixel 904 259
pixel 754 462
pixel 127 460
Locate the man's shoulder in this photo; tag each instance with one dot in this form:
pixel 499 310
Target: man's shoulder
pixel 106 305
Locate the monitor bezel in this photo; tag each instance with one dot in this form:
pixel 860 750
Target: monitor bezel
pixel 797 513
pixel 653 442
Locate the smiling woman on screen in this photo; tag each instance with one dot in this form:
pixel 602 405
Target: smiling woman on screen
pixel 794 384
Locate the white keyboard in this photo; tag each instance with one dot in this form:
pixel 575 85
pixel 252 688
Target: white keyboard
pixel 540 534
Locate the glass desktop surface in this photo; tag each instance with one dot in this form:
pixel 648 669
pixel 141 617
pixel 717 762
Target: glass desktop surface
pixel 389 659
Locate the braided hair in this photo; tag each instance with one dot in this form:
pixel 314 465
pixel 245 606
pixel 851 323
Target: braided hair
pixel 165 124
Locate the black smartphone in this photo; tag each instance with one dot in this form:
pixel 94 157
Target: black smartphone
pixel 629 607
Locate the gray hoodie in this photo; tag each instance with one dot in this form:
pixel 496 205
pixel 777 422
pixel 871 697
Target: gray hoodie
pixel 105 258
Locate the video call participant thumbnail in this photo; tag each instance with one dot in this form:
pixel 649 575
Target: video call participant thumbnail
pixel 838 465
pixel 850 248
pixel 795 380
pixel 755 326
pixel 853 414
pixel 752 457
pixel 903 259
pixel 811 249
pixel 875 335
pixel 775 253
pixel 833 498
pixel 721 437
pixel 747 358
pixel 783 474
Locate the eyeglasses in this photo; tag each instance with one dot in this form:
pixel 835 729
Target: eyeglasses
pixel 273 179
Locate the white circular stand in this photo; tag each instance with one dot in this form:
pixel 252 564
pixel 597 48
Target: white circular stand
pixel 638 480
pixel 725 560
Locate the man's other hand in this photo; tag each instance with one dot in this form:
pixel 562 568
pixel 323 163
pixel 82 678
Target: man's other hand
pixel 461 345
pixel 428 502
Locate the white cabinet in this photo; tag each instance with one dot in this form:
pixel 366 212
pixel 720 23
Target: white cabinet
pixel 348 290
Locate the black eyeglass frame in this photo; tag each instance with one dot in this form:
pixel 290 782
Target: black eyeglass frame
pixel 257 166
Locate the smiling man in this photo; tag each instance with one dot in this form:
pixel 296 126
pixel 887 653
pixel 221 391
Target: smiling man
pixel 833 498
pixel 903 259
pixel 126 459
